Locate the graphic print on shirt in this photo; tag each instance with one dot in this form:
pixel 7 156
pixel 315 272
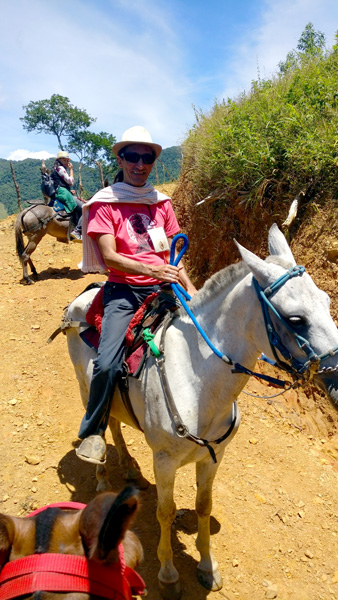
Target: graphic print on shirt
pixel 137 227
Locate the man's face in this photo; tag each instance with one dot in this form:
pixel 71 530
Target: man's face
pixel 135 174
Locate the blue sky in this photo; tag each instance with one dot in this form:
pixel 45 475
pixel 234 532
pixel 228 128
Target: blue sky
pixel 146 63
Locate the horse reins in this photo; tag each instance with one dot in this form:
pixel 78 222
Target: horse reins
pixel 69 573
pixel 300 372
pixel 180 428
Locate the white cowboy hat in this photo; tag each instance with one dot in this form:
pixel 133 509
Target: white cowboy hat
pixel 137 135
pixel 62 154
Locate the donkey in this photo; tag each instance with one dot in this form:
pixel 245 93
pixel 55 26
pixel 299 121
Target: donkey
pixel 185 399
pixel 35 222
pixel 71 551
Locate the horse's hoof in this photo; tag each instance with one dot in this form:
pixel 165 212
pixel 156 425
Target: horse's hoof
pixel 170 591
pixel 210 580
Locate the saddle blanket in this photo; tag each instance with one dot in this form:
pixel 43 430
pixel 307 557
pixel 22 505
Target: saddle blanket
pixel 150 315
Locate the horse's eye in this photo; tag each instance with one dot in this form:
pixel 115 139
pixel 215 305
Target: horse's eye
pixel 296 321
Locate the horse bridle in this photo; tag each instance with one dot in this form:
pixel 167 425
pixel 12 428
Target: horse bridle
pixel 69 573
pixel 299 371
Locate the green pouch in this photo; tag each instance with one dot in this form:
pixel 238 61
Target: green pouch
pixel 67 198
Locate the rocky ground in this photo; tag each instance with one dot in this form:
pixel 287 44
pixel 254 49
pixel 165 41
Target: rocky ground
pixel 275 513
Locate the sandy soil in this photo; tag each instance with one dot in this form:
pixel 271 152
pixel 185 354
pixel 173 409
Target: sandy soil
pixel 275 513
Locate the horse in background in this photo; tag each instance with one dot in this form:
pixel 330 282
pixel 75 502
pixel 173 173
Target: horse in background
pixel 72 551
pixel 35 222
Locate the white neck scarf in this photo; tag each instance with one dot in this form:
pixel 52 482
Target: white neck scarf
pixel 92 260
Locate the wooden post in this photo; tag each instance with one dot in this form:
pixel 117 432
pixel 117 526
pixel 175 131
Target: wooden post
pixel 99 166
pixel 16 187
pixel 156 173
pixel 166 170
pixel 80 179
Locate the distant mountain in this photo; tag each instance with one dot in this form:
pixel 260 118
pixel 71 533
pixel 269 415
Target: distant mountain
pixel 28 176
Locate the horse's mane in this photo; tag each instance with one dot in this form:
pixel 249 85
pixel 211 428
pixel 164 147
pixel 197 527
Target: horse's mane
pixel 229 276
pixel 219 281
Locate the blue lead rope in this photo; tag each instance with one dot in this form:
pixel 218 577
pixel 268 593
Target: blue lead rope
pixel 182 295
pixel 180 292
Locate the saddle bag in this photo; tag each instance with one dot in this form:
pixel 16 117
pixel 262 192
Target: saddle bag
pixel 47 185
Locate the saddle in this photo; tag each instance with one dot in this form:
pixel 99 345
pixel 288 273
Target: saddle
pixel 142 326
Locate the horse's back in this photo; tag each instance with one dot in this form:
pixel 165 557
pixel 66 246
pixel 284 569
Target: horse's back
pixel 81 354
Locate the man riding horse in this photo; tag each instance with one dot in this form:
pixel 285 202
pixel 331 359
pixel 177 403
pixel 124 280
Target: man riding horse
pixel 127 230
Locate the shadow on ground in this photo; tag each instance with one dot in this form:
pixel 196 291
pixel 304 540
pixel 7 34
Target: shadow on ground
pixel 79 478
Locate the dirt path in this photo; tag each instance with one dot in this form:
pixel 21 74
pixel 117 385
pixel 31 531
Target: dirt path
pixel 275 513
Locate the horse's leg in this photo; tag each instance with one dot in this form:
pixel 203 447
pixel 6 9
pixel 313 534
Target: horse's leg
pixel 26 255
pixel 165 470
pixel 131 469
pixel 33 269
pixel 207 569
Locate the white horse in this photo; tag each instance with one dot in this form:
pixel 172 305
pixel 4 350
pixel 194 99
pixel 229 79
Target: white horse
pixel 204 387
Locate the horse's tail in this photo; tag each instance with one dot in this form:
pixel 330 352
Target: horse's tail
pixel 20 244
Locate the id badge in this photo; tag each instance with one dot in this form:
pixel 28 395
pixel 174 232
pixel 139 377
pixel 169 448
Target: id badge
pixel 159 239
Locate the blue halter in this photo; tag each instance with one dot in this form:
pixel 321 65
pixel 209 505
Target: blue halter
pixel 295 368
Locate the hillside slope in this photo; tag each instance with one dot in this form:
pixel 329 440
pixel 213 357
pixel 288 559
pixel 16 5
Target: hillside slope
pixel 28 176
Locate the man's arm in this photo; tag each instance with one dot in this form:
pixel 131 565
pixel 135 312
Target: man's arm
pixel 165 272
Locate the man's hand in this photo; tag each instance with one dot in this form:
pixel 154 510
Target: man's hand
pixel 167 273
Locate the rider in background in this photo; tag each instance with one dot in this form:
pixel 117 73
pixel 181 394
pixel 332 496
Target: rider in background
pixel 127 230
pixel 63 182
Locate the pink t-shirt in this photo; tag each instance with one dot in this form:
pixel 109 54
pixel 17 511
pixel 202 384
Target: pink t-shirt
pixel 129 224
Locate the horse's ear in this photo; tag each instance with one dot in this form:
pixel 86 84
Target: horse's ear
pixel 7 530
pixel 258 267
pixel 105 520
pixel 278 245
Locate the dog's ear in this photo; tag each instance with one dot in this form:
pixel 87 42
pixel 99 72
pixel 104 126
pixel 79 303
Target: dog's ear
pixel 17 537
pixel 104 523
pixel 7 530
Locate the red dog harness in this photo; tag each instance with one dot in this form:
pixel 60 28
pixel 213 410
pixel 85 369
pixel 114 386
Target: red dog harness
pixel 69 573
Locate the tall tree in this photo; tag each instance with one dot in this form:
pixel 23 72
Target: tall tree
pixel 311 43
pixel 56 116
pixel 94 149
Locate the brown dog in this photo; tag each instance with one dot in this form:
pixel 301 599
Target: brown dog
pixel 90 550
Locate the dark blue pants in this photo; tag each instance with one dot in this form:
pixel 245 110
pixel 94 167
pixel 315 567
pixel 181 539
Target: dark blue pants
pixel 77 214
pixel 120 302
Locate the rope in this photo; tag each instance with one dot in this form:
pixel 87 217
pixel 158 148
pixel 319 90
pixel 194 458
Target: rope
pixel 180 292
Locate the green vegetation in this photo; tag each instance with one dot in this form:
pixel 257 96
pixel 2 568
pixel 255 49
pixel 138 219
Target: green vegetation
pixel 28 176
pixel 256 153
pixel 276 140
pixel 55 116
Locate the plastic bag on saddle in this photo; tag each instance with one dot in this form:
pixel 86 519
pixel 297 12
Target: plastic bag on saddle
pixel 149 316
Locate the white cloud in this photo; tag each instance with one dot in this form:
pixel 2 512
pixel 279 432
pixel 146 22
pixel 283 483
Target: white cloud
pixel 22 154
pixel 260 50
pixel 122 65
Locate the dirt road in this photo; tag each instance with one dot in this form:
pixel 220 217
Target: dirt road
pixel 275 513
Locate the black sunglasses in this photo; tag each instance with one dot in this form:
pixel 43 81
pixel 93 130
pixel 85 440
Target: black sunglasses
pixel 134 157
